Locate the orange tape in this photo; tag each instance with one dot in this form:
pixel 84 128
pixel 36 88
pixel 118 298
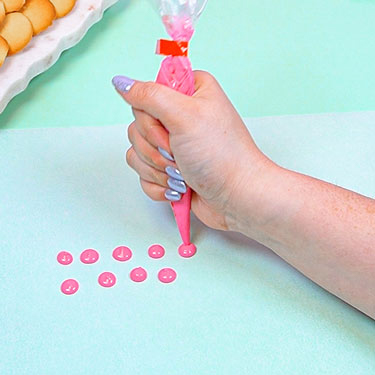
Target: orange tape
pixel 172 48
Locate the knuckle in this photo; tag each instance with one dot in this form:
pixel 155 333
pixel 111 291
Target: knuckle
pixel 149 130
pixel 208 77
pixel 131 130
pixel 156 159
pixel 130 156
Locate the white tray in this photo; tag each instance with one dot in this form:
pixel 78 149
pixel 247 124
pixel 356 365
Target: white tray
pixel 45 49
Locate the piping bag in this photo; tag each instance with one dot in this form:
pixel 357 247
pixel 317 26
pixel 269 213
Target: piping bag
pixel 179 17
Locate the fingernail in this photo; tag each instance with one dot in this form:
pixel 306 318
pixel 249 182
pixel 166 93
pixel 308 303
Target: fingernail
pixel 172 195
pixel 174 173
pixel 177 185
pixel 122 83
pixel 165 154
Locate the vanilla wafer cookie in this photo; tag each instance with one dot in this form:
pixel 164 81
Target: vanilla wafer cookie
pixel 4 48
pixel 16 29
pixel 13 5
pixel 2 12
pixel 40 13
pixel 63 7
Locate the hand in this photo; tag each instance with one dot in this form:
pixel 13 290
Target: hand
pixel 326 232
pixel 210 144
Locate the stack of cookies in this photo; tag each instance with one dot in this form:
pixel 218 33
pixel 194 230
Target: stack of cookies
pixel 20 20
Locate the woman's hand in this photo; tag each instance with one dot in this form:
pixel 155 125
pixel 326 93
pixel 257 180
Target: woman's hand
pixel 324 231
pixel 211 147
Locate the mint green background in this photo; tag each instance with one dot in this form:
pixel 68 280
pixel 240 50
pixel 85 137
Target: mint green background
pixel 272 57
pixel 235 308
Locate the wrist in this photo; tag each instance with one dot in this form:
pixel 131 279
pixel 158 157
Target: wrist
pixel 252 204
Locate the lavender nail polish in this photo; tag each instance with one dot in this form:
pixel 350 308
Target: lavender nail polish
pixel 174 173
pixel 122 83
pixel 165 154
pixel 177 185
pixel 172 195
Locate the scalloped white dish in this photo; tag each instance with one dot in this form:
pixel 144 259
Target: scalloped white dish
pixel 45 49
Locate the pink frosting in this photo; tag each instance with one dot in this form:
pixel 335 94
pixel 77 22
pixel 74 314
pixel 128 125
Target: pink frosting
pixel 167 275
pixel 64 258
pixel 122 253
pixel 107 279
pixel 138 274
pixel 176 72
pixel 187 251
pixel 69 286
pixel 156 251
pixel 179 28
pixel 89 256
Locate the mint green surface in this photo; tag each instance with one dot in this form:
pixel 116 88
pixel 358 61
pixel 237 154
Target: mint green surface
pixel 272 57
pixel 235 308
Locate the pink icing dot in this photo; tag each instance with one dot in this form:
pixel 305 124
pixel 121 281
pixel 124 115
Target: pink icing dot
pixel 107 279
pixel 122 253
pixel 138 274
pixel 167 275
pixel 64 258
pixel 187 251
pixel 89 256
pixel 156 251
pixel 69 286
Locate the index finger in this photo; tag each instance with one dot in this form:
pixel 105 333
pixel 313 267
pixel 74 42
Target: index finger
pixel 151 129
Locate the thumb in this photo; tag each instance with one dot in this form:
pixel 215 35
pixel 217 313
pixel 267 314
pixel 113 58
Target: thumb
pixel 161 102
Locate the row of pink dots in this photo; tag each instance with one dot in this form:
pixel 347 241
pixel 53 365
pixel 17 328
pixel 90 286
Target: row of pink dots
pixel 121 254
pixel 108 279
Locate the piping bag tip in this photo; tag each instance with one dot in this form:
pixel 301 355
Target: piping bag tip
pixel 181 210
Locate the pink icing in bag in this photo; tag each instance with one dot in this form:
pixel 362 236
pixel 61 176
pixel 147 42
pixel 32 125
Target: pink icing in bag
pixel 176 72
